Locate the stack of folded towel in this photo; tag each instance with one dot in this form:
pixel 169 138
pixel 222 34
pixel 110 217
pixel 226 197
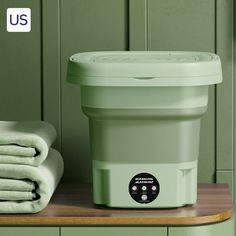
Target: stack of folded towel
pixel 29 169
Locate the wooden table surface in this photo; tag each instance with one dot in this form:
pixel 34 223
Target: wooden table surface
pixel 72 205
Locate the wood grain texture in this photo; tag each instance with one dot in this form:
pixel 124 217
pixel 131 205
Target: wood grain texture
pixel 72 205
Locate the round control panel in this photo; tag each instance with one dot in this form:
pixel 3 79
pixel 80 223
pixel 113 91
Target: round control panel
pixel 144 188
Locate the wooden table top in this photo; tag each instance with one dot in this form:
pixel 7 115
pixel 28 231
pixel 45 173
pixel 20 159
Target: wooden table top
pixel 72 205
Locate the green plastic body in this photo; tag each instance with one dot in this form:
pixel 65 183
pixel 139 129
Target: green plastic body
pixel 144 111
pixel 144 125
pixel 178 183
pixel 144 129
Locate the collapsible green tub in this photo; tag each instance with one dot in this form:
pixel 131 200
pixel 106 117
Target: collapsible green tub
pixel 144 111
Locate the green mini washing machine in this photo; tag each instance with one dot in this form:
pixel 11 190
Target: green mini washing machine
pixel 144 111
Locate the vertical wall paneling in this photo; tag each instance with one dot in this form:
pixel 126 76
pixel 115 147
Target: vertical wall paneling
pixel 20 65
pixel 138 25
pixel 181 25
pixel 51 65
pixel 226 176
pixel 93 25
pixel 224 95
pixel 187 25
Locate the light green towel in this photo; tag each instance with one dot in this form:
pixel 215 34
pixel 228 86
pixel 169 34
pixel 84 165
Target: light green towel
pixel 25 142
pixel 28 189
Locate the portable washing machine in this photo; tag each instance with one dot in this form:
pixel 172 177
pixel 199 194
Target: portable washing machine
pixel 144 111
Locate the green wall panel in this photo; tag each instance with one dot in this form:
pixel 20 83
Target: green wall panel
pixel 138 15
pixel 114 231
pixel 181 25
pixel 225 91
pixel 85 26
pixel 20 65
pixel 29 231
pixel 187 25
pixel 226 176
pixel 51 111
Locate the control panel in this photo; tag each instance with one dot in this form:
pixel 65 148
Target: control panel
pixel 144 188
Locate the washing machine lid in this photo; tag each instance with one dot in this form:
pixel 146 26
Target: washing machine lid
pixel 144 68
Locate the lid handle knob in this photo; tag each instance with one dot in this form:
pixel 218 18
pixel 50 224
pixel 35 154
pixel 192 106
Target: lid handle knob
pixel 144 78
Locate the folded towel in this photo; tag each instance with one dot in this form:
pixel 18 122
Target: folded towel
pixel 25 142
pixel 28 189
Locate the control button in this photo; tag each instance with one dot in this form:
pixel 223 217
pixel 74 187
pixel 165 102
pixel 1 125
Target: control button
pixel 134 188
pixel 144 188
pixel 154 188
pixel 144 197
